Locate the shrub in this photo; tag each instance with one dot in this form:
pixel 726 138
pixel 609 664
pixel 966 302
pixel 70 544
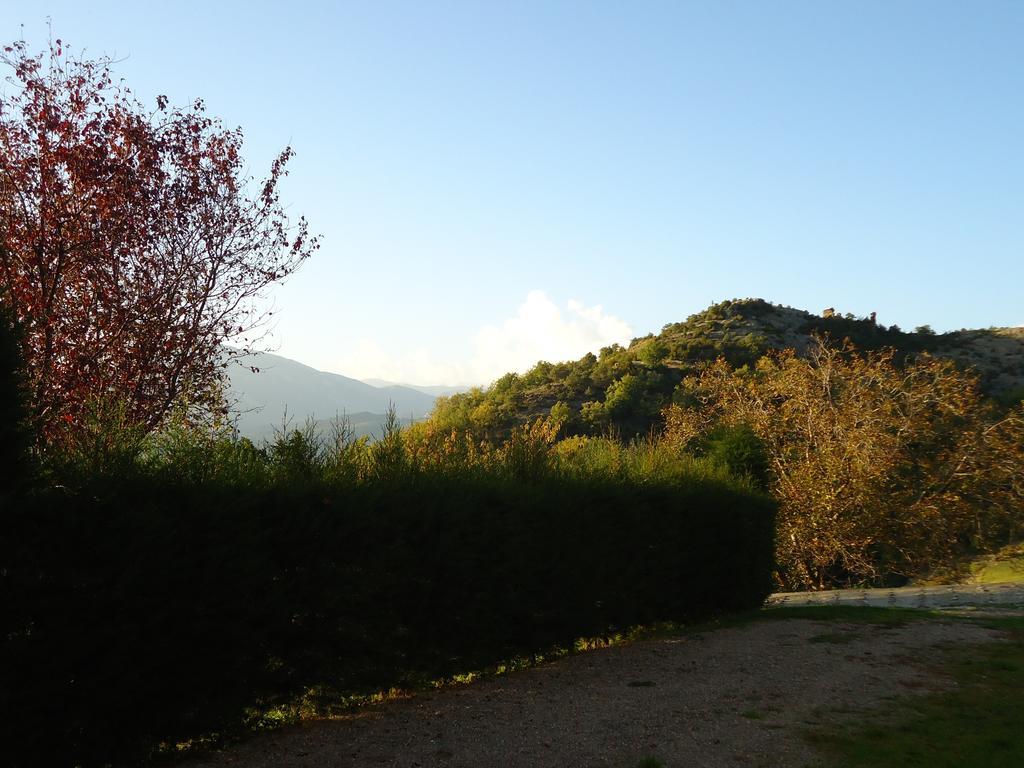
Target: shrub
pixel 739 449
pixel 157 606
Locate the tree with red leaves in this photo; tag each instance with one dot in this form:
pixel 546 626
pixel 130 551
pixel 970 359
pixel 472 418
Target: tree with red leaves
pixel 132 243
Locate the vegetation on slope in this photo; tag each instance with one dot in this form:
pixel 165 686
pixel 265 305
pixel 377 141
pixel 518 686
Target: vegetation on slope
pixel 625 389
pixel 888 462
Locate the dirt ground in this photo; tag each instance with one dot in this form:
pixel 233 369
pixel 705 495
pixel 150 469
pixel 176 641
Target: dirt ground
pixel 739 696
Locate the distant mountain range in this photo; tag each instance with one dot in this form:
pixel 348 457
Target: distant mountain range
pixel 283 390
pixel 434 391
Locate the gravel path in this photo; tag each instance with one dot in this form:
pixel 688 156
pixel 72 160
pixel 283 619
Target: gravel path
pixel 729 697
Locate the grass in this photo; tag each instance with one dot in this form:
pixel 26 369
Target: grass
pixel 1006 566
pixel 1003 567
pixel 997 573
pixel 974 723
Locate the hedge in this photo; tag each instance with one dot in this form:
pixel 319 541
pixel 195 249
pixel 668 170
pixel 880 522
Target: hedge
pixel 154 612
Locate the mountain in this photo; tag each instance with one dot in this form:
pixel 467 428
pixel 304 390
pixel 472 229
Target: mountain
pixel 433 391
pixel 624 389
pixel 280 386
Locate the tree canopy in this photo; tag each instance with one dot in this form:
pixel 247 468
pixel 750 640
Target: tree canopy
pixel 133 243
pixel 881 471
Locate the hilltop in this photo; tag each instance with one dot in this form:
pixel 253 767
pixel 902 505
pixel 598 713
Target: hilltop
pixel 996 354
pixel 625 388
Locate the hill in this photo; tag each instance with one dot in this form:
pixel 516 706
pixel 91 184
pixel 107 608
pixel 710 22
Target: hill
pixel 283 389
pixel 624 389
pixel 436 390
pixel 997 354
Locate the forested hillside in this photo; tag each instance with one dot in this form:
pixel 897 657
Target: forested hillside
pixel 625 389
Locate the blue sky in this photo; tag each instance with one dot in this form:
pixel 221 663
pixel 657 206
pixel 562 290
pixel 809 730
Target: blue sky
pixel 498 182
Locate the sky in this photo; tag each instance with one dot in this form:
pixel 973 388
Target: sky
pixel 497 183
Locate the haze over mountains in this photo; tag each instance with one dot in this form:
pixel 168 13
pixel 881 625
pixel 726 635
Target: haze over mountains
pixel 283 389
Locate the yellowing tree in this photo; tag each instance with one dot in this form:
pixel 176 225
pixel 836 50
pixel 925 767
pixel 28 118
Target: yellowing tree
pixel 880 470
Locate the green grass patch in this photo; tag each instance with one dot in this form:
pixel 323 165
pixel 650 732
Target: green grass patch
pixel 1003 567
pixel 1006 567
pixel 977 722
pixel 999 573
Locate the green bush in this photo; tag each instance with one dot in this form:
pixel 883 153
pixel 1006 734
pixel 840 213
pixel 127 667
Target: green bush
pixel 159 605
pixel 741 451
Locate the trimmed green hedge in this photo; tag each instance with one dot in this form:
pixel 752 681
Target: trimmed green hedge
pixel 157 611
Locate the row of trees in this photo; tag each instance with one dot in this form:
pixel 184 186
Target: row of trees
pixel 133 243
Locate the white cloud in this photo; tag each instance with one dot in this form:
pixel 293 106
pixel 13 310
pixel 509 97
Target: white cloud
pixel 539 330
